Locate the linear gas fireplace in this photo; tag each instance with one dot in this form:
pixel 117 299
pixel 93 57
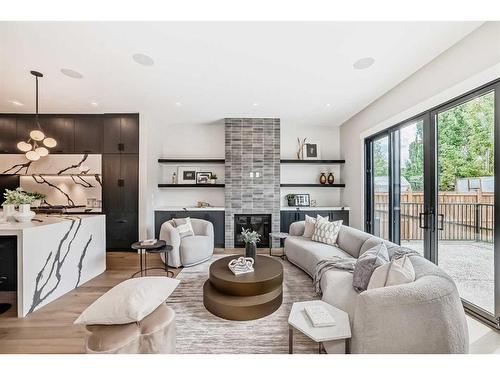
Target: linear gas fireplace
pixel 255 222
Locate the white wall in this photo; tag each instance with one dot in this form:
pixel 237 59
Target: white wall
pixel 473 61
pixel 160 139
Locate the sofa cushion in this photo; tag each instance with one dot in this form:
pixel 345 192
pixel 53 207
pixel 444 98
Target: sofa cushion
pixel 306 253
pixel 337 289
pixel 350 240
pixel 184 227
pixel 366 264
pixel 326 232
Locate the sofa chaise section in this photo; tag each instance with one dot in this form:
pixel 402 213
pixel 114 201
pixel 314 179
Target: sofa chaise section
pixel 424 316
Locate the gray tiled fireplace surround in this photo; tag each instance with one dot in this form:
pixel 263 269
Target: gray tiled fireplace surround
pixel 252 172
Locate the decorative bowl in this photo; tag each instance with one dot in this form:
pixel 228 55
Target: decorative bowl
pixel 24 217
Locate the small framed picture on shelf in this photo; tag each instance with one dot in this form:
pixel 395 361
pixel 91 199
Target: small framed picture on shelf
pixel 302 200
pixel 311 151
pixel 186 175
pixel 203 177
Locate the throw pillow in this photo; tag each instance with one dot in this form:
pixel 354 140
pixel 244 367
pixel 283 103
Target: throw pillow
pixel 184 227
pixel 130 301
pixel 398 271
pixel 366 265
pixel 326 231
pixel 310 223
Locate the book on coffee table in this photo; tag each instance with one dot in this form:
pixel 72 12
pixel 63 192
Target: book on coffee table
pixel 319 316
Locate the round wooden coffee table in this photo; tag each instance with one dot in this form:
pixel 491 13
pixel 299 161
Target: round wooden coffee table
pixel 247 296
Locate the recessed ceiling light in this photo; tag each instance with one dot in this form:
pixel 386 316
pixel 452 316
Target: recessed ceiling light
pixel 178 104
pixel 363 63
pixel 71 73
pixel 328 105
pixel 15 102
pixel 255 104
pixel 143 59
pixel 94 103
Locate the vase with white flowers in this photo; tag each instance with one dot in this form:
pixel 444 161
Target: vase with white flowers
pixel 250 238
pixel 16 198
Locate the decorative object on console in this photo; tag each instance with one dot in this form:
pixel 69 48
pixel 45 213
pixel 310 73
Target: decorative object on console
pixel 201 204
pixel 314 203
pixel 241 265
pixel 213 178
pixel 311 151
pixel 250 238
pixel 33 150
pixel 203 177
pixel 331 178
pixel 300 151
pixel 174 178
pixel 322 178
pixel 19 198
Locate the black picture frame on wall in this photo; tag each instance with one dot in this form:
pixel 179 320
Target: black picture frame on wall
pixel 189 175
pixel 203 178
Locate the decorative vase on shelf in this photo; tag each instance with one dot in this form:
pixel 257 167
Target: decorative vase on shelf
pixel 331 178
pixel 250 250
pixel 322 179
pixel 174 178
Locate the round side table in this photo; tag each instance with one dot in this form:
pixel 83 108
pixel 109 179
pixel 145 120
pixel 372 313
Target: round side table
pixel 281 236
pixel 158 247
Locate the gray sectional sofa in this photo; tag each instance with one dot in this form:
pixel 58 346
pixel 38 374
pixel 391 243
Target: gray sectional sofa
pixel 425 316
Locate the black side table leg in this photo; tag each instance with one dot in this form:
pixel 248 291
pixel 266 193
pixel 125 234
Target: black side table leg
pixel 140 259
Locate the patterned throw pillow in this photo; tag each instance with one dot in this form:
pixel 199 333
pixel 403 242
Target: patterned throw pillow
pixel 184 227
pixel 326 231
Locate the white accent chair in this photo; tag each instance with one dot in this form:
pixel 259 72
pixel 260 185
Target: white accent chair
pixel 191 250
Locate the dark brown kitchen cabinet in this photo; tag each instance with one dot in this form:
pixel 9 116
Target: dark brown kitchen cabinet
pixel 8 135
pixel 88 134
pixel 120 199
pixel 121 134
pixel 24 125
pixel 62 129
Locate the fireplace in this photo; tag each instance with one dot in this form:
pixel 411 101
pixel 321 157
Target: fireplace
pixel 255 222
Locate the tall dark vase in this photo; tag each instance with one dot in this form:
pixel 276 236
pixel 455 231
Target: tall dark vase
pixel 331 178
pixel 250 250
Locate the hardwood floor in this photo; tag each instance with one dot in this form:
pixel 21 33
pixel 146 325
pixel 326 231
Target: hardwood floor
pixel 51 329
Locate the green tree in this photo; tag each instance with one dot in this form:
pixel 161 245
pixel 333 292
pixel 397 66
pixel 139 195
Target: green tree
pixel 465 139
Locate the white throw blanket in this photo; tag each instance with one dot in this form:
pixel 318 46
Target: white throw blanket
pixel 347 264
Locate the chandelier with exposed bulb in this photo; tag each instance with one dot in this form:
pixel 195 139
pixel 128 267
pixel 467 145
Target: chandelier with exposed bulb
pixel 38 144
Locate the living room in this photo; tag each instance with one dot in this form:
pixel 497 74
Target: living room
pixel 249 186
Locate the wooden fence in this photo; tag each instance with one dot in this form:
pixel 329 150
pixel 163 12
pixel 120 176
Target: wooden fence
pixel 465 216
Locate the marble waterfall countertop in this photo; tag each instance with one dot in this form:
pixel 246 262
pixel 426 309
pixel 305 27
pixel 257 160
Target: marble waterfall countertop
pixel 55 254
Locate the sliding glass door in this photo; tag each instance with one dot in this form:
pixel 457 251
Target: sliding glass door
pixel 430 186
pixel 465 197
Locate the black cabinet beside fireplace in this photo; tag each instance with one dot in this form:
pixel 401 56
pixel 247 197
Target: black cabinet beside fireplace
pixel 289 217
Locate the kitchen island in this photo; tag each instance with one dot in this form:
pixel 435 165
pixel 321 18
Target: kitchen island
pixel 50 256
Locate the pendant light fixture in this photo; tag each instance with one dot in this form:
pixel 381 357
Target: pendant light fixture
pixel 32 148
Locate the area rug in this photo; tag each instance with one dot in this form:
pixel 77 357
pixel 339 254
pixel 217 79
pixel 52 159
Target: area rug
pixel 200 332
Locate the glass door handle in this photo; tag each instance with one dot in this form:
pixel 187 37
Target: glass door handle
pixel 440 222
pixel 422 220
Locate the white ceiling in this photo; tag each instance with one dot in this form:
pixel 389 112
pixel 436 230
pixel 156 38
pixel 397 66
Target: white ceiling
pixel 216 70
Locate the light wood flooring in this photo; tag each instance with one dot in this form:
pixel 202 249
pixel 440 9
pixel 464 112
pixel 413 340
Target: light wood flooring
pixel 50 329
